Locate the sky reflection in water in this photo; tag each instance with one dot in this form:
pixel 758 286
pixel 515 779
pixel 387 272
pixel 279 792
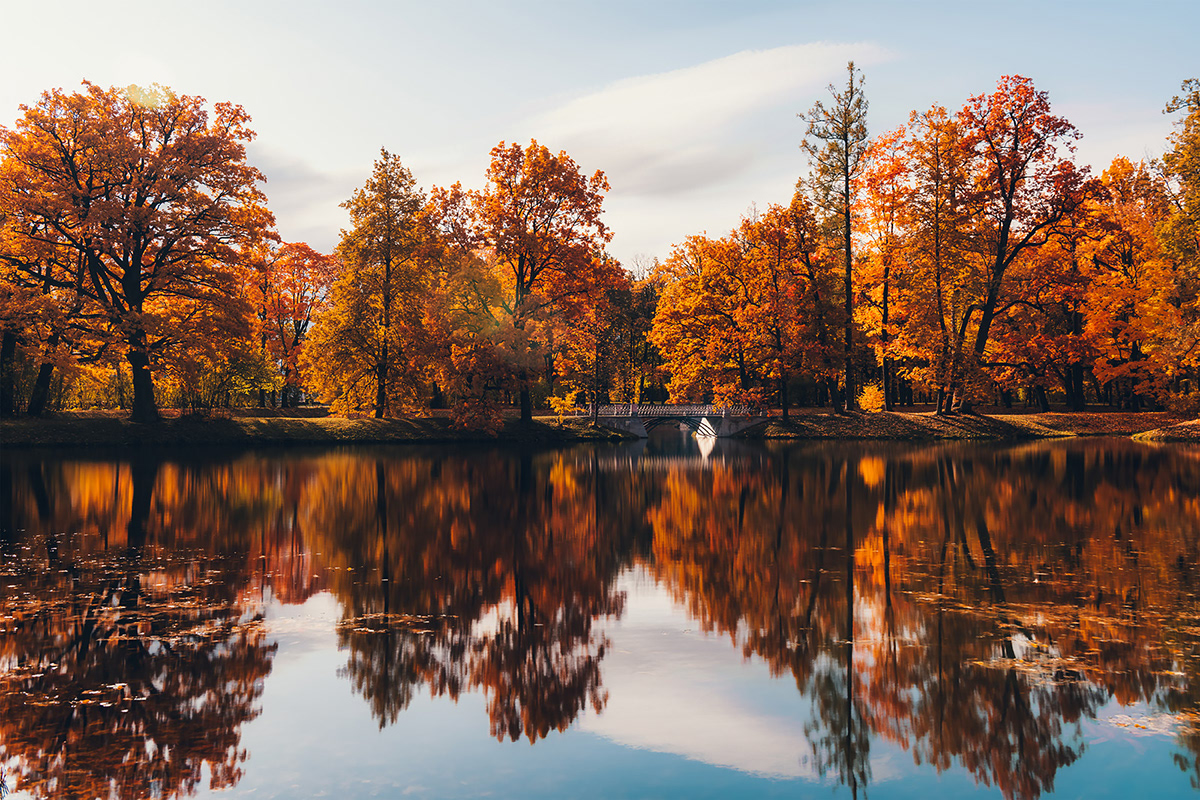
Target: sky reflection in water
pixel 1009 620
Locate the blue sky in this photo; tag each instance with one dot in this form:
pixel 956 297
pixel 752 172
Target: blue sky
pixel 689 107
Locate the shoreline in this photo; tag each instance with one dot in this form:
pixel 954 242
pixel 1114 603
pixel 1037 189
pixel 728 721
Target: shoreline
pixel 307 427
pixel 989 425
pixel 71 430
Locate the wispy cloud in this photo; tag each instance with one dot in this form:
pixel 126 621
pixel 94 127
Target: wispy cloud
pixel 303 198
pixel 670 132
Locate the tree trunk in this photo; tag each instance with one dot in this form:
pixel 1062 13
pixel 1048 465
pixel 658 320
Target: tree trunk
pixel 8 378
pixel 1043 402
pixel 286 397
pixel 851 397
pixel 145 409
pixel 1079 400
pixel 381 376
pixel 956 391
pixel 783 393
pixel 526 403
pixel 889 394
pixel 41 386
pixel 41 390
pixel 743 375
pixel 596 384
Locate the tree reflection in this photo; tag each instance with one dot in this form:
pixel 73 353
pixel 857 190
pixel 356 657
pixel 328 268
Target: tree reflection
pixel 128 669
pixel 485 574
pixel 974 606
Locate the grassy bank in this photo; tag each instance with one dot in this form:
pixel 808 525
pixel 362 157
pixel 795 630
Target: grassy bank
pixel 1188 431
pixel 111 430
pixel 995 425
pixel 311 427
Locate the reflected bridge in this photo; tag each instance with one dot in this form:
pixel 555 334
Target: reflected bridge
pixel 703 420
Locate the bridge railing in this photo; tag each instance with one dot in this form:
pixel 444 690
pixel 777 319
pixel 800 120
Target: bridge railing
pixel 683 410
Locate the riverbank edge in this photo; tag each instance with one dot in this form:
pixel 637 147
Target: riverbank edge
pixel 901 426
pixel 81 430
pixel 1188 431
pixel 67 431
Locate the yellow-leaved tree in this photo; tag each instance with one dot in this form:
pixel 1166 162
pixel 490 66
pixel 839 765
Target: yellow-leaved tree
pixel 370 348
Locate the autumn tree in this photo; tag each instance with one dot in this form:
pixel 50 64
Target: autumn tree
pixel 635 359
pixel 836 141
pixel 592 343
pixel 1181 164
pixel 21 305
pixel 1132 316
pixel 368 349
pixel 1021 191
pixel 1180 231
pixel 1041 339
pixel 682 321
pixel 292 285
pixel 42 315
pixel 775 299
pixel 539 217
pixel 740 317
pixel 153 195
pixel 704 323
pixel 931 292
pixel 886 194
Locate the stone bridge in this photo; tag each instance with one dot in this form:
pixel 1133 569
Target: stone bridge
pixel 703 420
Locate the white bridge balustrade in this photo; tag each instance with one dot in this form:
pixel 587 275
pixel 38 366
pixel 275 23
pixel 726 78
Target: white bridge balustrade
pixel 704 419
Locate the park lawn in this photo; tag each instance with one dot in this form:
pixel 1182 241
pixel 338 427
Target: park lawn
pixel 926 426
pixel 105 429
pixel 313 426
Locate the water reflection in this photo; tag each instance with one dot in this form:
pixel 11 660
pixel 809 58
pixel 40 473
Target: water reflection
pixel 973 605
pixel 130 658
pixel 458 574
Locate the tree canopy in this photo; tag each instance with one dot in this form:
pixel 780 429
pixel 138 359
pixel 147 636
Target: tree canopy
pixel 138 201
pixel 961 258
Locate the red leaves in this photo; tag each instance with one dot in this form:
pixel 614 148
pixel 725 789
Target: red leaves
pixel 151 196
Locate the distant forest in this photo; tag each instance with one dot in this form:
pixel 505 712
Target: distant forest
pixel 962 259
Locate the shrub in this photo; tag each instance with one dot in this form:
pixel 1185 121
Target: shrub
pixel 870 398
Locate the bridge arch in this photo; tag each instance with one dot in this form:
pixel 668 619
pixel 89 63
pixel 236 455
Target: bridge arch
pixel 693 423
pixel 704 420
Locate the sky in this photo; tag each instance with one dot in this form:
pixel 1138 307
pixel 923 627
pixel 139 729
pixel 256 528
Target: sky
pixel 690 107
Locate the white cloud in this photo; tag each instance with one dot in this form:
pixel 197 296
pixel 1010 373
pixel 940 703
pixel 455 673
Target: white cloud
pixel 673 689
pixel 304 198
pixel 674 132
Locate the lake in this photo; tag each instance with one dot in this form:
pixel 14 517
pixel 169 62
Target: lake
pixel 672 618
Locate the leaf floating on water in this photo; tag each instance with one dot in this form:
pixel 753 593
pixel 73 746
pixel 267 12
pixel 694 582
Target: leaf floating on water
pixel 1154 724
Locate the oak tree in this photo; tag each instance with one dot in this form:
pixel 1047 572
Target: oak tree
pixel 152 193
pixel 1022 191
pixel 540 218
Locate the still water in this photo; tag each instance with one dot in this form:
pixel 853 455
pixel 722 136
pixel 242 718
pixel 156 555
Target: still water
pixel 607 621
